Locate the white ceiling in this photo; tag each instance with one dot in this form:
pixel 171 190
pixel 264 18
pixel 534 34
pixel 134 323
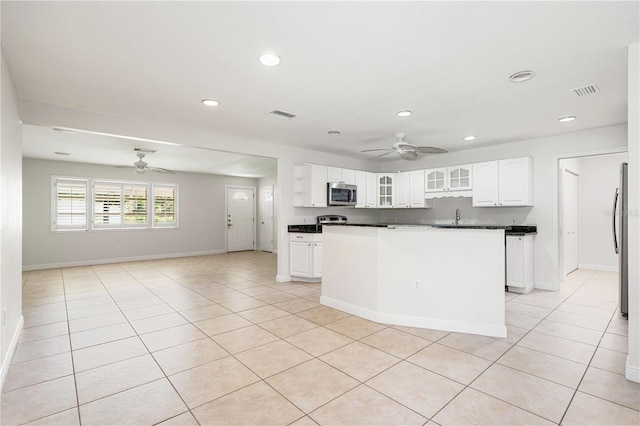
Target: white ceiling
pixel 347 66
pixel 44 142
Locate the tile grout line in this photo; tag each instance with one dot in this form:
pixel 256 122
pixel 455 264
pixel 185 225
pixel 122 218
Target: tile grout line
pixel 512 346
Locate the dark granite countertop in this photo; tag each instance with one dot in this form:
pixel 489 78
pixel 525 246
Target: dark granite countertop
pixel 509 229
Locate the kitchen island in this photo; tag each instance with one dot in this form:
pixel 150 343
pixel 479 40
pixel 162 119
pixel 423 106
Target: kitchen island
pixel 441 278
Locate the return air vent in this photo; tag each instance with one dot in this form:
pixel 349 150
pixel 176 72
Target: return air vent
pixel 281 114
pixel 590 89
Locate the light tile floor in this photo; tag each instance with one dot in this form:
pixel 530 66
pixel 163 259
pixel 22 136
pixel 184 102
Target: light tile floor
pixel 215 340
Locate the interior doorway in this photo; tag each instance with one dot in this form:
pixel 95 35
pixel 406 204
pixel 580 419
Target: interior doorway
pixel 241 213
pixel 265 209
pixel 582 234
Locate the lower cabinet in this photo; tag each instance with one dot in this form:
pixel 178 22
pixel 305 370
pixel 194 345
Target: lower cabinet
pixel 519 260
pixel 305 255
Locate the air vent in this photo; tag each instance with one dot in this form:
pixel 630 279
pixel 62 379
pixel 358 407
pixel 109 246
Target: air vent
pixel 591 89
pixel 281 114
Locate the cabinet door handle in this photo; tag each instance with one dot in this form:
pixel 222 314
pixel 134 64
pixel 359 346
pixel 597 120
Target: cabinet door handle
pixel 309 245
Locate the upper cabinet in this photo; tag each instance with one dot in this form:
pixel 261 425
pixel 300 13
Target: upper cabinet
pixel 338 175
pixel 310 185
pixel 454 181
pixel 503 183
pixel 386 198
pixel 367 189
pixel 410 189
pixel 491 184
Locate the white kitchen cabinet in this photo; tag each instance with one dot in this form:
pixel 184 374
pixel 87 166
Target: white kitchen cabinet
pixel 503 183
pixel 305 255
pixel 519 261
pixel 367 189
pixel 410 189
pixel 403 192
pixel 453 181
pixel 386 184
pixel 310 185
pixel 338 175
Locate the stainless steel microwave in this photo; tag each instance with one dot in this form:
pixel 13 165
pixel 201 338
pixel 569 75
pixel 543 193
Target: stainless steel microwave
pixel 342 194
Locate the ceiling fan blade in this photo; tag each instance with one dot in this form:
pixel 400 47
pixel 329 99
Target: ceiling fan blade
pixel 161 170
pixel 379 149
pixel 430 150
pixel 409 155
pixel 381 155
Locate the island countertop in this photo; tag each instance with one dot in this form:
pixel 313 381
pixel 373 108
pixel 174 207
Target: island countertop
pixel 508 229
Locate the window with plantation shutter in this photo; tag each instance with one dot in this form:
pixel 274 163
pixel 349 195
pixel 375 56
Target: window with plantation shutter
pixel 136 201
pixel 164 205
pixel 112 204
pixel 69 204
pixel 107 204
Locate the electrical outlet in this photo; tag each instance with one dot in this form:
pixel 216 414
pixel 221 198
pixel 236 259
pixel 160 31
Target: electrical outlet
pixel 418 286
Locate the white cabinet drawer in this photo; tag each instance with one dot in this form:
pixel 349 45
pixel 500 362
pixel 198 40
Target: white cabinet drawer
pixel 305 237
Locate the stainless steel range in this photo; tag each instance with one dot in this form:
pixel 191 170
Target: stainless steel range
pixel 315 228
pixel 332 218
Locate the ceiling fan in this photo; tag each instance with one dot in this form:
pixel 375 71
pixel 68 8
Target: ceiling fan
pixel 406 150
pixel 142 167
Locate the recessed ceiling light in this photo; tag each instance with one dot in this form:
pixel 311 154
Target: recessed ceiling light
pixel 270 59
pixel 61 153
pixel 405 113
pixel 469 138
pixel 210 102
pixel 521 76
pixel 565 119
pixel 333 133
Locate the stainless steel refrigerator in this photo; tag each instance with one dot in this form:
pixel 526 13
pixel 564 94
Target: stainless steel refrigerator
pixel 620 232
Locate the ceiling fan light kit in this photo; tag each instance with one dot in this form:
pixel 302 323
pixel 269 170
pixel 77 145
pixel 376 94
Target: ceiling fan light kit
pixel 141 167
pixel 405 150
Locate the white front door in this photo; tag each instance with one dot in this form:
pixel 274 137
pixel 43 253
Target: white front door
pixel 569 221
pixel 265 208
pixel 240 218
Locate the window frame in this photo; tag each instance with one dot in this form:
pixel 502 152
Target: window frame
pixel 55 226
pixel 91 211
pixel 152 207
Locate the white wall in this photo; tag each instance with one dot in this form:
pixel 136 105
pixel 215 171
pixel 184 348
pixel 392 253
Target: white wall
pixel 545 153
pixel 10 219
pixel 202 225
pixel 599 178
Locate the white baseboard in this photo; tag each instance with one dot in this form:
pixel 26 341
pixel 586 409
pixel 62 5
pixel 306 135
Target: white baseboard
pixel 606 268
pixel 420 322
pixel 632 372
pixel 541 285
pixel 13 344
pixel 118 260
pixel 283 278
pixel 523 290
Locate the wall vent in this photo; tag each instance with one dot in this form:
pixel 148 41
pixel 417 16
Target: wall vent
pixel 590 89
pixel 281 114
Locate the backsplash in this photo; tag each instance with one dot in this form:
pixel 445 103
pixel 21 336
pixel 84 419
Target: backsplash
pixel 444 212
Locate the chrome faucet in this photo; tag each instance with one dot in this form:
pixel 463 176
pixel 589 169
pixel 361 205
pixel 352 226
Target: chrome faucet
pixel 457 216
